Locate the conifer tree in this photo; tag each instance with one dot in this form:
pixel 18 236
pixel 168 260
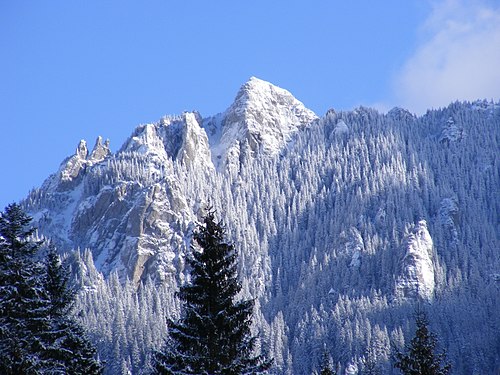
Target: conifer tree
pixel 213 334
pixel 326 365
pixel 369 365
pixel 420 358
pixel 37 334
pixel 71 346
pixel 24 316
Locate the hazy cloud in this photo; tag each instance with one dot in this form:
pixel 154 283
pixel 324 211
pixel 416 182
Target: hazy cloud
pixel 458 57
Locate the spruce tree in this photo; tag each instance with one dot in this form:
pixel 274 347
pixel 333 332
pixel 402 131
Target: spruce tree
pixel 70 346
pixel 213 334
pixel 420 358
pixel 37 333
pixel 326 365
pixel 24 315
pixel 369 364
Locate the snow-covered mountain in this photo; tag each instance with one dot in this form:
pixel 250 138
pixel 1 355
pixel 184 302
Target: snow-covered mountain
pixel 343 223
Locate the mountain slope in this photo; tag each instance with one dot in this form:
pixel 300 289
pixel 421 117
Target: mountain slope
pixel 343 222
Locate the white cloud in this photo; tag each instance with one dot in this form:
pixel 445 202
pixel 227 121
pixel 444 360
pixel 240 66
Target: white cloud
pixel 458 58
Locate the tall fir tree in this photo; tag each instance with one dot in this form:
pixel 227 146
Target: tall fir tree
pixel 420 358
pixel 24 315
pixel 37 333
pixel 369 364
pixel 326 365
pixel 71 346
pixel 213 334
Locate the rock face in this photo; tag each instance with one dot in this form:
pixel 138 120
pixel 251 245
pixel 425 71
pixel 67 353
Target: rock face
pixel 417 269
pixel 100 151
pixel 71 168
pixel 129 208
pixel 262 118
pixel 195 150
pixel 265 116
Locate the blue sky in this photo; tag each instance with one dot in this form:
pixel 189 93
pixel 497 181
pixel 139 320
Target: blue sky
pixel 74 70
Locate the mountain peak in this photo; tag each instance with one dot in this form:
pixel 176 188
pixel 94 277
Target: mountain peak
pixel 268 113
pixel 263 116
pixel 256 89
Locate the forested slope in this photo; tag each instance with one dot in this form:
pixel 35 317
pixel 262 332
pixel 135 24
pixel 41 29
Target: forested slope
pixel 343 224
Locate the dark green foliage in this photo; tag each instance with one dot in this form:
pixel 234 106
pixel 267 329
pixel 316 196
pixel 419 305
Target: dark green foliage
pixel 24 322
pixel 213 335
pixel 37 333
pixel 420 358
pixel 56 279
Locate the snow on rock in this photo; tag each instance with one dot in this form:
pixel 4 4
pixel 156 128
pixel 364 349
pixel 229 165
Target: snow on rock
pixel 448 217
pixel 401 114
pixel 195 149
pixel 146 140
pixel 356 259
pixel 448 212
pixel 73 167
pixel 353 245
pixel 127 226
pixel 341 127
pixel 416 267
pixel 179 138
pixel 100 151
pixel 451 132
pixel 129 208
pixel 263 118
pixel 351 369
pixel 70 169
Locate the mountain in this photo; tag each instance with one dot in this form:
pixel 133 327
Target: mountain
pixel 343 223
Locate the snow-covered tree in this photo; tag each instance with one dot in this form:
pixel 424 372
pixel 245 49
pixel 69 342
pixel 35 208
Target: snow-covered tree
pixel 326 365
pixel 420 358
pixel 213 335
pixel 37 332
pixel 24 307
pixel 70 347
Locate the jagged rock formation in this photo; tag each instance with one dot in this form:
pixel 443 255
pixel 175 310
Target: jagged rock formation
pixel 417 269
pixel 141 215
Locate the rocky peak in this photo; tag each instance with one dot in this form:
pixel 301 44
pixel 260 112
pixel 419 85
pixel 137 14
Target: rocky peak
pixel 81 150
pixel 179 138
pixel 268 115
pixel 194 149
pixel 401 114
pixel 100 150
pixel 263 116
pixel 73 166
